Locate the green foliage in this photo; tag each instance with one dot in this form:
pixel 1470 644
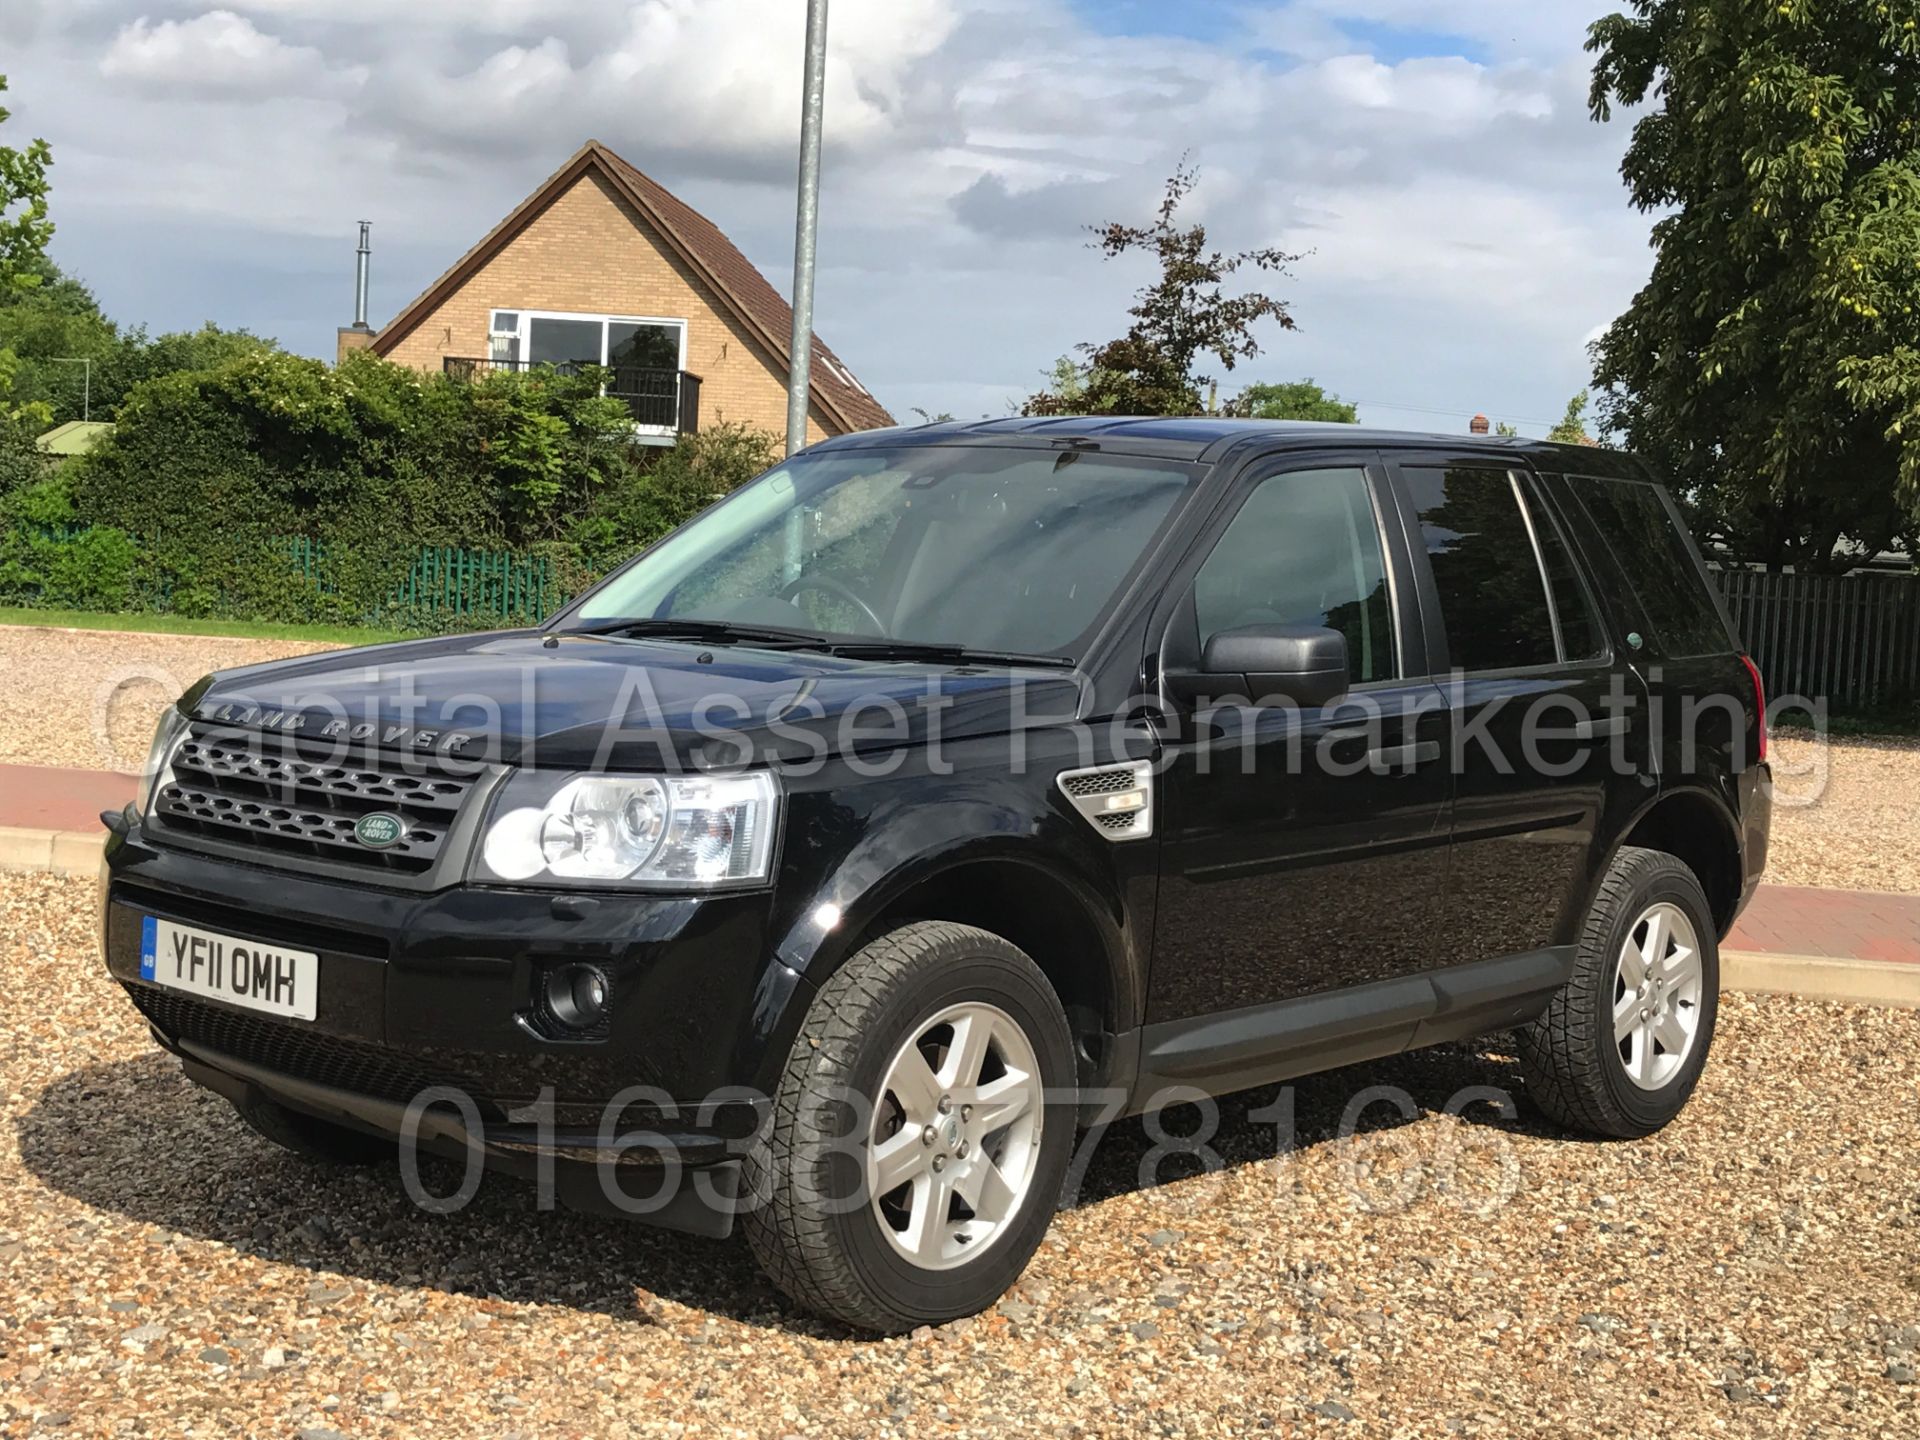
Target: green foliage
pixel 24 233
pixel 1771 363
pixel 276 488
pixel 47 558
pixel 24 227
pixel 1572 429
pixel 1296 400
pixel 1183 316
pixel 57 322
pixel 671 487
pixel 21 461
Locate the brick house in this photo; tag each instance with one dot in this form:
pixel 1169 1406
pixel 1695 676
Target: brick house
pixel 601 265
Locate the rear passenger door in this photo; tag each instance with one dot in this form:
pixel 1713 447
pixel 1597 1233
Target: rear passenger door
pixel 1705 713
pixel 1547 728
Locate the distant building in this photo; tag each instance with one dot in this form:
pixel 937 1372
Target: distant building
pixel 602 266
pixel 76 437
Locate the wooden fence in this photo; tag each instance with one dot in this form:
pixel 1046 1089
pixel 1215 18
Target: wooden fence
pixel 1851 639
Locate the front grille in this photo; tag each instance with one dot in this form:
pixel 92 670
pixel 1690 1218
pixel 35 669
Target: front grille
pixel 224 785
pixel 285 1049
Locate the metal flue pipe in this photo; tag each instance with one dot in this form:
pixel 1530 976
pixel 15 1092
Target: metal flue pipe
pixel 362 260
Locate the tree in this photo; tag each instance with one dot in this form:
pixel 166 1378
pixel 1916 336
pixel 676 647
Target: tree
pixel 1184 315
pixel 24 227
pixel 58 321
pixel 1297 400
pixel 1572 429
pixel 1772 363
pixel 24 232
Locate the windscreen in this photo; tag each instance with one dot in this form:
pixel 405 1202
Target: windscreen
pixel 995 549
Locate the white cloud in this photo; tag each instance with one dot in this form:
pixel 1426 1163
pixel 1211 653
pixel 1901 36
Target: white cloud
pixel 219 53
pixel 1465 219
pixel 717 78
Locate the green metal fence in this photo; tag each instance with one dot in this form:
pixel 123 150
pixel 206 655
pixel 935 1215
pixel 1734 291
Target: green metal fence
pixel 448 586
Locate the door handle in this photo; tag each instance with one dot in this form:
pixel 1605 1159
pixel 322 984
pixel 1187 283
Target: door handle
pixel 1403 757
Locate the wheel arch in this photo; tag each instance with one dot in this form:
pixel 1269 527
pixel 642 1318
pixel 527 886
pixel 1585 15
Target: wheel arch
pixel 1694 826
pixel 1073 931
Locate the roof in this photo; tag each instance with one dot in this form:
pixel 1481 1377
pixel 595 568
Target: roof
pixel 1207 437
pixel 696 241
pixel 76 437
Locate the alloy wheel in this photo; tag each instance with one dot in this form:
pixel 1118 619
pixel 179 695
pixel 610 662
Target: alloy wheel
pixel 956 1135
pixel 1656 996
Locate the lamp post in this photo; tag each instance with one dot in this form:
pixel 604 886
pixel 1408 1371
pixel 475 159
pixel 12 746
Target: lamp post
pixel 86 384
pixel 806 225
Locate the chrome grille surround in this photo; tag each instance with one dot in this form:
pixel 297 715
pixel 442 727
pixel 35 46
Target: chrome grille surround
pixel 289 801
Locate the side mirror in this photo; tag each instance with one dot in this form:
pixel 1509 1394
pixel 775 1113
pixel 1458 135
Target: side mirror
pixel 1302 663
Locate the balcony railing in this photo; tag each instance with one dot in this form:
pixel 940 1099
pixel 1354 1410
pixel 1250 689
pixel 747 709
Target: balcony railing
pixel 660 400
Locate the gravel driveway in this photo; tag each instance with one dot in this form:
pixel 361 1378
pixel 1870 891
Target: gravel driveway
pixel 89 698
pixel 1753 1271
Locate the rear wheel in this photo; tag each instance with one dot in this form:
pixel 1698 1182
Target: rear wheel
pixel 1621 1047
pixel 920 1135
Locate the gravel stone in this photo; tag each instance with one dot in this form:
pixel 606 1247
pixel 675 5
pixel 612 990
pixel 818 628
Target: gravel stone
pixel 1847 818
pixel 1427 1273
pixel 54 683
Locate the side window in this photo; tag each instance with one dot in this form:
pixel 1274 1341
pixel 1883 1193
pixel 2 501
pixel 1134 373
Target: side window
pixel 1304 550
pixel 1487 569
pixel 1647 540
pixel 1581 637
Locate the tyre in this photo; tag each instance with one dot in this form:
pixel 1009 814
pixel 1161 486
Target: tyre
pixel 1621 1047
pixel 320 1141
pixel 920 1133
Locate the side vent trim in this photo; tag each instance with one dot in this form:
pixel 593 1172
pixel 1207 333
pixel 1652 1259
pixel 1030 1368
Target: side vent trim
pixel 1117 800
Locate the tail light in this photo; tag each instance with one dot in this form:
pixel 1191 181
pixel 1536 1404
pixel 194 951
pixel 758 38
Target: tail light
pixel 1759 700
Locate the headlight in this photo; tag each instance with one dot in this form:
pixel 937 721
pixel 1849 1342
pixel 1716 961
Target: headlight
pixel 670 832
pixel 166 734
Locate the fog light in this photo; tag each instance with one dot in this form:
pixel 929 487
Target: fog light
pixel 577 996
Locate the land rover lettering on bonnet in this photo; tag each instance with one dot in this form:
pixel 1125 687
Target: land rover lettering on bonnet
pixel 826 868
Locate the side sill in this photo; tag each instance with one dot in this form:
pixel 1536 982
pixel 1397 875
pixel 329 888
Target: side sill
pixel 1261 1044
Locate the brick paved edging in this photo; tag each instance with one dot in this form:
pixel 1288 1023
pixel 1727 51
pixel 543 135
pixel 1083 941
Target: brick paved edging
pixel 1892 983
pixel 60 852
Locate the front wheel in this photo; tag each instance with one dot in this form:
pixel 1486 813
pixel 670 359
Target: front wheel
pixel 1621 1047
pixel 921 1132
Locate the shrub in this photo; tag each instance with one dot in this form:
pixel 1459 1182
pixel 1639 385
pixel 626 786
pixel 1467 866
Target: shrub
pixel 47 559
pixel 215 473
pixel 673 486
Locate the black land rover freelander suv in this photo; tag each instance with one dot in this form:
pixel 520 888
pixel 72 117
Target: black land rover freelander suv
pixel 826 866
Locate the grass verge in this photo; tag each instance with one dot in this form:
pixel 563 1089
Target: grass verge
pixel 179 625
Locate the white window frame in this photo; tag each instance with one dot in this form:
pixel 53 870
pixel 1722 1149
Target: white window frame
pixel 522 336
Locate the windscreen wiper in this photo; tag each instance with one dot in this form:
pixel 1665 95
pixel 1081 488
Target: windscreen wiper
pixel 936 653
pixel 711 632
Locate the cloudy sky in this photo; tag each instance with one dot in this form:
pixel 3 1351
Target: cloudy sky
pixel 1462 223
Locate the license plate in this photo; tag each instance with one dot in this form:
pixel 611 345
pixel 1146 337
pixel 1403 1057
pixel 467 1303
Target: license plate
pixel 223 967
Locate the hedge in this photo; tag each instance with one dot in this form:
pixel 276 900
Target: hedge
pixel 276 488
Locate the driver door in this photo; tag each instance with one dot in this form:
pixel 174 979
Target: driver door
pixel 1304 851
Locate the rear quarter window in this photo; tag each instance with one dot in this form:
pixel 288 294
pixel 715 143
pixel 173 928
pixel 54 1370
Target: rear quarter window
pixel 1641 527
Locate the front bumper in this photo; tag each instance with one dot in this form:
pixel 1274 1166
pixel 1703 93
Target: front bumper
pixel 441 989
